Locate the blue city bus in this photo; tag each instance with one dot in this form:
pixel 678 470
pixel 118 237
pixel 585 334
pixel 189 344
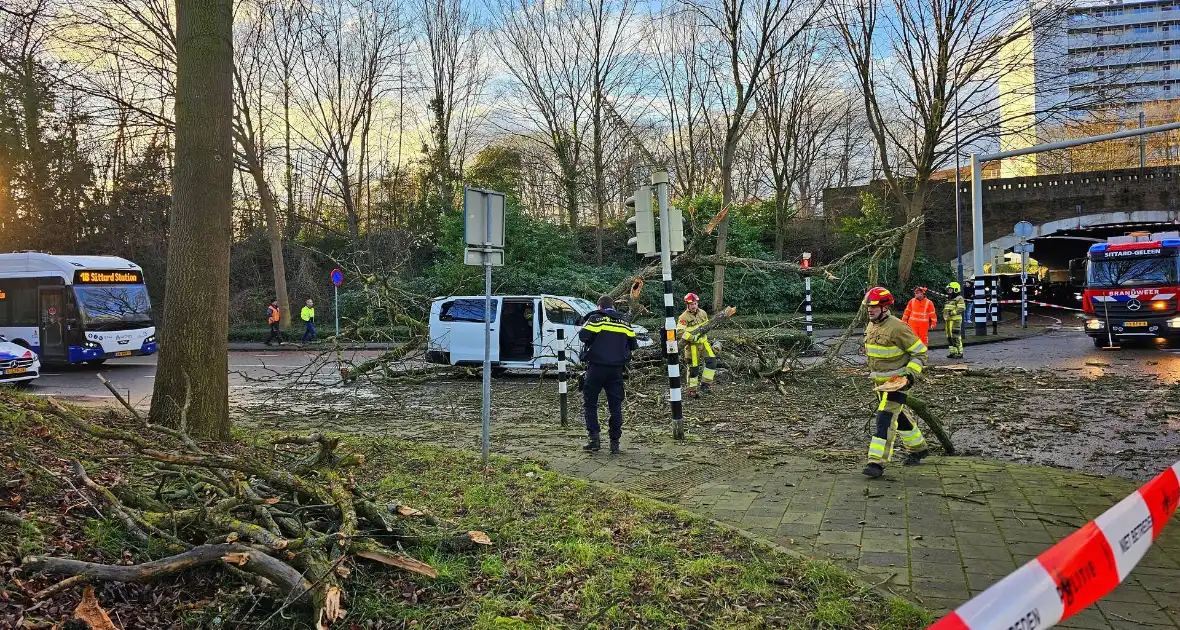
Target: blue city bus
pixel 75 309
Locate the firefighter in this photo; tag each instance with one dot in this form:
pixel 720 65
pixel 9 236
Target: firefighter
pixel 893 350
pixel 952 314
pixel 921 315
pixel 697 348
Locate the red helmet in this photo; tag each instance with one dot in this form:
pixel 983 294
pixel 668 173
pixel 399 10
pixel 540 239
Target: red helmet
pixel 878 296
pixel 692 297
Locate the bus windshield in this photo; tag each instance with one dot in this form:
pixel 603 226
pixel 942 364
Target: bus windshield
pixel 107 306
pixel 1133 272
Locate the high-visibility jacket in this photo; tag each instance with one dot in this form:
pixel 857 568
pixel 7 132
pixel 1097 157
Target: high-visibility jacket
pixel 920 312
pixel 954 308
pixel 272 314
pixel 308 314
pixel 607 339
pixel 893 349
pixel 689 322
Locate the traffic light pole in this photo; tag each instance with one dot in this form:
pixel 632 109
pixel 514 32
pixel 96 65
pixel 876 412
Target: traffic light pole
pixel 671 351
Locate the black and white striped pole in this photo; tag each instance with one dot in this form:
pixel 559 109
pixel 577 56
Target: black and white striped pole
pixel 979 304
pixel 562 378
pixel 671 239
pixel 995 304
pixel 806 265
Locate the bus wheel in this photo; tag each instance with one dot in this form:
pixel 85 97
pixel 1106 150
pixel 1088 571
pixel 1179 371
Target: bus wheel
pixel 499 372
pixel 96 362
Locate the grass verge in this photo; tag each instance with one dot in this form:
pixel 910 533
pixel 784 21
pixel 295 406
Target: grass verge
pixel 566 554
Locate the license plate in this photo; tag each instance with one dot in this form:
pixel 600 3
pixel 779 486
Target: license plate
pixel 123 353
pixel 12 371
pixel 1134 324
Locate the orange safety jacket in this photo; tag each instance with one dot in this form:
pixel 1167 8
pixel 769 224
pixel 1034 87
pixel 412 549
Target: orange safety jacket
pixel 921 316
pixel 272 314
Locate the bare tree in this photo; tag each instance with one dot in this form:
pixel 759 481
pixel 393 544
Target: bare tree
pixel 456 80
pixel 800 114
pixel 192 381
pixel 286 23
pixel 914 59
pixel 251 73
pixel 552 78
pixel 351 47
pixel 602 29
pixel 746 39
pixel 683 77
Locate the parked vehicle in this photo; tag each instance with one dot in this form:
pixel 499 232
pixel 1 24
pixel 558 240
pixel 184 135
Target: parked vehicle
pixel 524 330
pixel 17 364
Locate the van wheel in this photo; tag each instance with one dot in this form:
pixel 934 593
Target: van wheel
pixel 1099 342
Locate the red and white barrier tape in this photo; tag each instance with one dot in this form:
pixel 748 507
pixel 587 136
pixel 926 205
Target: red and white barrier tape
pixel 1045 304
pixel 1077 571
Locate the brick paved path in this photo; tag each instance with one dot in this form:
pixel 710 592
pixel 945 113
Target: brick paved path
pixel 940 532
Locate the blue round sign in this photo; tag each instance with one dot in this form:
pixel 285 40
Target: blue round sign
pixel 337 277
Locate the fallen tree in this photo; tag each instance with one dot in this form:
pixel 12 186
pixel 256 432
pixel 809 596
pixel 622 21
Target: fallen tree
pixel 289 520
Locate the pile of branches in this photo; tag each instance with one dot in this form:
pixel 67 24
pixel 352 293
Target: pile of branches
pixel 289 522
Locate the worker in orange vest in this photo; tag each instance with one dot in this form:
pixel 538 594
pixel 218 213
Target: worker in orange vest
pixel 921 315
pixel 272 320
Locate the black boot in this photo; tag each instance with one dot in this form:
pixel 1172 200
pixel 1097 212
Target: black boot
pixel 915 458
pixel 614 447
pixel 874 470
pixel 593 446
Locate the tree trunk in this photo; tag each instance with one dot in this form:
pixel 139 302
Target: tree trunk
pixel 292 227
pixel 266 199
pixel 599 171
pixel 192 378
pixel 723 228
pixel 571 195
pixel 915 206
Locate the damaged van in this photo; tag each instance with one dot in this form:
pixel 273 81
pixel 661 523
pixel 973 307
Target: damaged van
pixel 523 330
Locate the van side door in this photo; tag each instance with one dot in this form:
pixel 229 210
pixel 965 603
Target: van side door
pixel 558 315
pixel 464 319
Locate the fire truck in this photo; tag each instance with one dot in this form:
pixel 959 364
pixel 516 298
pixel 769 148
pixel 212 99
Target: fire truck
pixel 1132 286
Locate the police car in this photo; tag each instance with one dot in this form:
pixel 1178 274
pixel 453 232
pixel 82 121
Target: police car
pixel 17 364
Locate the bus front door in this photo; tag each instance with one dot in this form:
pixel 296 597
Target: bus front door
pixel 53 327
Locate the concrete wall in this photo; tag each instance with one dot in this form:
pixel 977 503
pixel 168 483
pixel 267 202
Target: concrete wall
pixel 1039 200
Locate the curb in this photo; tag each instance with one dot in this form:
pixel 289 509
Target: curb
pixel 980 341
pixel 294 347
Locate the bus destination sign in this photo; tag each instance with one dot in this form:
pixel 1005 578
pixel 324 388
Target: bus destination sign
pixel 108 277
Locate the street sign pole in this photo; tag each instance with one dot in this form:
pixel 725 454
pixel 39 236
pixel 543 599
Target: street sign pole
pixel 1023 293
pixel 1023 230
pixel 483 232
pixel 487 336
pixel 337 279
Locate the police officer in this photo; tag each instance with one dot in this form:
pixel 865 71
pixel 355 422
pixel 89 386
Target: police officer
pixel 607 343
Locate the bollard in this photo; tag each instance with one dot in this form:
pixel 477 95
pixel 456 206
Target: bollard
pixel 995 305
pixel 562 378
pixel 807 304
pixel 979 307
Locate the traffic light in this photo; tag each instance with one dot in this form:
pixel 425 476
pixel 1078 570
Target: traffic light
pixel 675 230
pixel 644 222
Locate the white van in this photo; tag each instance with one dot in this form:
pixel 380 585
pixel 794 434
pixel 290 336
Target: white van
pixel 524 330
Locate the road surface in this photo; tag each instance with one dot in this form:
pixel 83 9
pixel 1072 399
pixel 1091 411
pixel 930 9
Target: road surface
pixel 250 371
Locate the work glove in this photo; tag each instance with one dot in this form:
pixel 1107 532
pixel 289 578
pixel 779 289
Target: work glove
pixel 689 337
pixel 909 380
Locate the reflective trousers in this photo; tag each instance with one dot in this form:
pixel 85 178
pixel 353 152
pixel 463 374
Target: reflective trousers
pixel 893 420
pixel 954 337
pixel 696 373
